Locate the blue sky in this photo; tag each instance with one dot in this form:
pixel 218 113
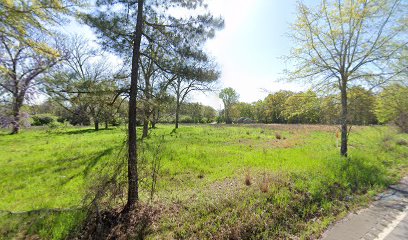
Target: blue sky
pixel 248 49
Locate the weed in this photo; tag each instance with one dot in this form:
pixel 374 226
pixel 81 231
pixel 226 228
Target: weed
pixel 248 179
pixel 402 142
pixel 264 186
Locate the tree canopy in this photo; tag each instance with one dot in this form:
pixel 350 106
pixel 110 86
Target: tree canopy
pixel 347 43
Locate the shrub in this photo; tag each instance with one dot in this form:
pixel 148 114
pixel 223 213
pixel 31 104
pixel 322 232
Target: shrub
pixel 61 119
pixel 402 142
pixel 186 119
pixel 42 119
pixel 264 187
pixel 116 121
pixel 248 181
pixel 402 122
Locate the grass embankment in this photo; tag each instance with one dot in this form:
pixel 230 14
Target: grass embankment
pixel 214 181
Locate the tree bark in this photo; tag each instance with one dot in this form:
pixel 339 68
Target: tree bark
pixel 344 119
pixel 155 117
pixel 18 102
pixel 96 124
pixel 106 124
pixel 227 117
pixel 148 94
pixel 177 113
pixel 145 128
pixel 178 103
pixel 133 178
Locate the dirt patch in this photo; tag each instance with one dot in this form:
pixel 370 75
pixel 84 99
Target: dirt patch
pixel 114 224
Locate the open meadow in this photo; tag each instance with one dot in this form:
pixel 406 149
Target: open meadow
pixel 212 181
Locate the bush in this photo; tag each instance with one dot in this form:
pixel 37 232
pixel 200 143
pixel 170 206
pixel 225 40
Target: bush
pixel 166 119
pixel 402 122
pixel 204 120
pixel 116 121
pixel 186 119
pixel 42 119
pixel 61 119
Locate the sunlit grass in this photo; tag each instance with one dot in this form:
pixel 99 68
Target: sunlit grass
pixel 49 172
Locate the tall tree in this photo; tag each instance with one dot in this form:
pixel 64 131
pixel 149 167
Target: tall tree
pixel 275 106
pixel 22 22
pixel 361 106
pixel 303 107
pixel 20 71
pixel 229 97
pixel 84 80
pixel 392 106
pixel 126 27
pixel 344 43
pixel 200 77
pixel 19 19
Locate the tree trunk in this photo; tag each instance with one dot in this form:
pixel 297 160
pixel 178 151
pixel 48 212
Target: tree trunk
pixel 177 113
pixel 227 117
pixel 147 105
pixel 344 116
pixel 18 102
pixel 133 178
pixel 154 118
pixel 145 127
pixel 96 124
pixel 106 124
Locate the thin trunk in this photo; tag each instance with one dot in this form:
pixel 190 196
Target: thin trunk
pixel 106 124
pixel 154 118
pixel 145 127
pixel 178 103
pixel 177 114
pixel 147 105
pixel 344 115
pixel 133 178
pixel 96 124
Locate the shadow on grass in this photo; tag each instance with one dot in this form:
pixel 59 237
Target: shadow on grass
pixel 89 163
pixel 94 160
pixel 84 131
pixel 52 223
pixel 358 174
pixel 41 223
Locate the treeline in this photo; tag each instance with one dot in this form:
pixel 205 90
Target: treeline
pixel 51 113
pixel 365 107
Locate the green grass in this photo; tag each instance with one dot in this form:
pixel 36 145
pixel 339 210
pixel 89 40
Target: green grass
pixel 201 192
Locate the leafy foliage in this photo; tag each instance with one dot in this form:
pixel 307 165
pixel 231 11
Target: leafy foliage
pixel 392 106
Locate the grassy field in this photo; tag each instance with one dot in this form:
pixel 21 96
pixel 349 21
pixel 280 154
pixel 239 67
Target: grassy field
pixel 260 181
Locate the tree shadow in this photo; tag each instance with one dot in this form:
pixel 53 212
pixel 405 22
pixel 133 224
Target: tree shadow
pixel 94 160
pixel 90 164
pixel 359 174
pixel 41 223
pixel 84 131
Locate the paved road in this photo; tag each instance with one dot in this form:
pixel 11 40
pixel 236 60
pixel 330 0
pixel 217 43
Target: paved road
pixel 385 219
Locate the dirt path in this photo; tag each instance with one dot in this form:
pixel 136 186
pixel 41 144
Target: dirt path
pixel 386 218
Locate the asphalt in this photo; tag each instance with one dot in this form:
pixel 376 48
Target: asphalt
pixel 385 219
